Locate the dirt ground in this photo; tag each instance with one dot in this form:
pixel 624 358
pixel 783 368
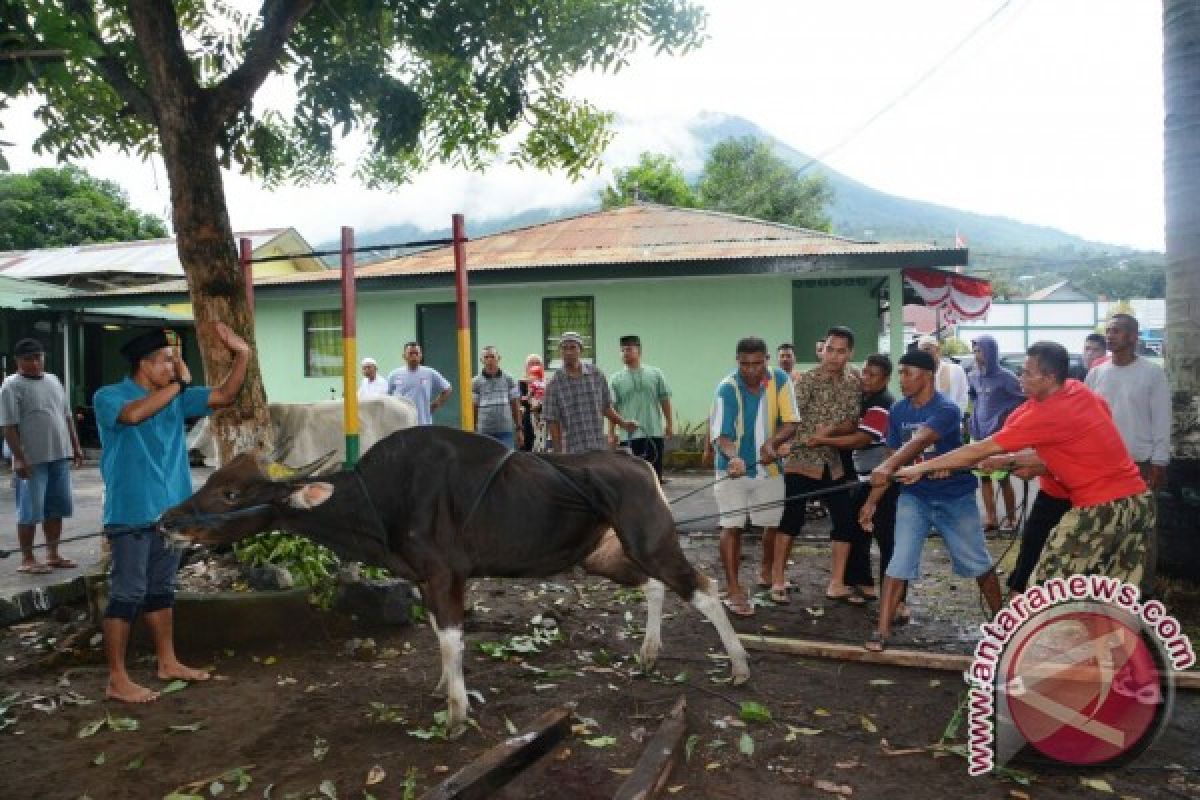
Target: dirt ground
pixel 321 718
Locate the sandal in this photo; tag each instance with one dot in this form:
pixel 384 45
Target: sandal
pixel 35 569
pixel 739 606
pixel 61 563
pixel 901 617
pixel 1008 526
pixel 852 597
pixel 877 643
pixel 779 595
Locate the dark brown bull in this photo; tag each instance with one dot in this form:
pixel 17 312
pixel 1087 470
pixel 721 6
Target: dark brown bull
pixel 438 506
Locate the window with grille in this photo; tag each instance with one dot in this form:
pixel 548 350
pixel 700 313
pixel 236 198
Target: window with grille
pixel 562 314
pixel 322 343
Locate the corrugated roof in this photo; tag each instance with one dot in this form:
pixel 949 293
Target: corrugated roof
pixel 147 257
pixel 19 294
pixel 641 235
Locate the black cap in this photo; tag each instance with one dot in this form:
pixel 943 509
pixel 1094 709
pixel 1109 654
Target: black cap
pixel 919 359
pixel 144 344
pixel 631 340
pixel 28 347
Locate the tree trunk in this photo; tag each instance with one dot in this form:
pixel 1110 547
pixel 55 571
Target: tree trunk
pixel 204 238
pixel 1178 508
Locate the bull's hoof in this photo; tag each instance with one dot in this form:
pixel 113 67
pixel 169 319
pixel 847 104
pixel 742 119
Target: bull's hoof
pixel 740 675
pixel 648 659
pixel 455 730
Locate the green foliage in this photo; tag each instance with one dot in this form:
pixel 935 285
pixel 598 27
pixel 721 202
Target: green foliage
pixel 656 178
pixel 1137 277
pixel 955 347
pixel 66 206
pixel 422 81
pixel 309 563
pixel 744 176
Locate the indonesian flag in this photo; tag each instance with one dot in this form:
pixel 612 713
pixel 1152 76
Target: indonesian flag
pixel 959 241
pixel 958 297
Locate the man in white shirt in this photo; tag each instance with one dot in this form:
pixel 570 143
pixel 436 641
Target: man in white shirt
pixel 372 384
pixel 1138 396
pixel 951 379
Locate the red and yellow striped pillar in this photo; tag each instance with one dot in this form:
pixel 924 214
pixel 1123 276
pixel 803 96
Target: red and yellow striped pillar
pixel 465 362
pixel 349 349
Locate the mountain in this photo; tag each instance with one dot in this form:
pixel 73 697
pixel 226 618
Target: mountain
pixel 858 211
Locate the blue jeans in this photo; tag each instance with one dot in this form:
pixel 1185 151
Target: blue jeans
pixel 45 494
pixel 956 519
pixel 506 438
pixel 142 574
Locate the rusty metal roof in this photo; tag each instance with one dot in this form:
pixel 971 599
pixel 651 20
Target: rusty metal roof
pixel 635 235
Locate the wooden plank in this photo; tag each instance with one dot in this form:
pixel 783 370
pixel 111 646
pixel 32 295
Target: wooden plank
pixel 1185 680
pixel 500 764
pixel 653 769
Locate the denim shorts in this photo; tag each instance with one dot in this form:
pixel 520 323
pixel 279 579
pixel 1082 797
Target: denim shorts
pixel 46 494
pixel 956 519
pixel 142 573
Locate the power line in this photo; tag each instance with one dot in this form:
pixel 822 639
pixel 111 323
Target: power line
pixel 929 73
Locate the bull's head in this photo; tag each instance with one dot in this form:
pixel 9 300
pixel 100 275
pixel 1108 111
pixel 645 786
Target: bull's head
pixel 243 498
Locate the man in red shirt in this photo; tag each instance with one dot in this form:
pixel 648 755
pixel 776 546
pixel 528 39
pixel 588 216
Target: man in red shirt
pixel 1071 429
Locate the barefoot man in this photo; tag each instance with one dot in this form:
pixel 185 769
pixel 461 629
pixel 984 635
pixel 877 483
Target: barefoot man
pixel 145 469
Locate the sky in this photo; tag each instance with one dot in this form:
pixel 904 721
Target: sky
pixel 1045 111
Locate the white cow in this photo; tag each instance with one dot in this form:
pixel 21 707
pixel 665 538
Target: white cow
pixel 308 431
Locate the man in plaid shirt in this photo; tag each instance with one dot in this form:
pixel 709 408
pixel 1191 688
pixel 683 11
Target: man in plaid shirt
pixel 577 400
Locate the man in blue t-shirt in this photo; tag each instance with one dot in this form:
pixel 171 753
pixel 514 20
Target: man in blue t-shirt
pixel 419 384
pixel 145 469
pixel 923 425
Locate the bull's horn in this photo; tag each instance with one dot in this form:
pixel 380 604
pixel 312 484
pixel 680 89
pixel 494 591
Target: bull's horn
pixel 313 467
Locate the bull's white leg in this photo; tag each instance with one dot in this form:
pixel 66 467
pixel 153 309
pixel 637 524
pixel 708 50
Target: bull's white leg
pixel 440 689
pixel 450 642
pixel 704 599
pixel 652 644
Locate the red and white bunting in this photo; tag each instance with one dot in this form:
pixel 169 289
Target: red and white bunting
pixel 958 297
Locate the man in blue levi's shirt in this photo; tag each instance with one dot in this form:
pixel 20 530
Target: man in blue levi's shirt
pixel 923 425
pixel 145 469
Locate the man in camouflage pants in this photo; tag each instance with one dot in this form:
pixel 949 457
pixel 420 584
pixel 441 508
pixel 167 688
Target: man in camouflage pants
pixel 1071 431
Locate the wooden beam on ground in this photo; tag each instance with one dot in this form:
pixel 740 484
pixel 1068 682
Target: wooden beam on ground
pixel 499 765
pixel 658 760
pixel 951 662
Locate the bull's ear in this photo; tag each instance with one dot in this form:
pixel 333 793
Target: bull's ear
pixel 310 495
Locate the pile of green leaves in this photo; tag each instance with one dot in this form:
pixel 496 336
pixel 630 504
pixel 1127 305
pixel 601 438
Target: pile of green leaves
pixel 309 563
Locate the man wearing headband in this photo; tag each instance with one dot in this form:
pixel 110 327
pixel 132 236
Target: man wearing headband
pixel 641 393
pixel 923 425
pixel 145 469
pixel 41 436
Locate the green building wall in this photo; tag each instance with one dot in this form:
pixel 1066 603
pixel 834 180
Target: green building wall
pixel 688 326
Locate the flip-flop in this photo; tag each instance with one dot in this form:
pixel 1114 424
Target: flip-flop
pixel 852 598
pixel 991 528
pixel 877 643
pixel 61 563
pixel 1008 526
pixel 35 569
pixel 791 587
pixel 779 594
pixel 899 619
pixel 740 606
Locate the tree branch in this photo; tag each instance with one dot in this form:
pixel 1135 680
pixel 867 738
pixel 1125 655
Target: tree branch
pixel 110 66
pixel 279 19
pixel 169 71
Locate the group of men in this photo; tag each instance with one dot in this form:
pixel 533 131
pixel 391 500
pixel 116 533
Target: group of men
pixel 1099 451
pixel 577 400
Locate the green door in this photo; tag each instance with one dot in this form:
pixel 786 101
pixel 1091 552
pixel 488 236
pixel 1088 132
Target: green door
pixel 437 333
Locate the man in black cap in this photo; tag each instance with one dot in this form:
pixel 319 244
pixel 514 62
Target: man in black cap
pixel 41 436
pixel 145 469
pixel 640 392
pixel 923 425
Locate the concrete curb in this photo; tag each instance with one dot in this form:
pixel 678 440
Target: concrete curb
pixel 40 599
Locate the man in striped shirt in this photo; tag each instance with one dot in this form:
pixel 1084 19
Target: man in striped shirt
pixel 754 417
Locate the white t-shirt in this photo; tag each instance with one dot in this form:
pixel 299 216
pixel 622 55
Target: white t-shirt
pixel 1140 401
pixel 952 382
pixel 373 388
